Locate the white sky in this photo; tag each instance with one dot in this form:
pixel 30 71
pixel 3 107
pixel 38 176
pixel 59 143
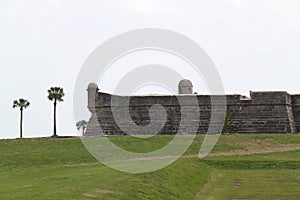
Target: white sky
pixel 255 45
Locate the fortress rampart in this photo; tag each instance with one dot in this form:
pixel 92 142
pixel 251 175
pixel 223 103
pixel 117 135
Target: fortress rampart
pixel 262 112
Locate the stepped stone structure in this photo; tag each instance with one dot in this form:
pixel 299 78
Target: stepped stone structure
pixel 262 112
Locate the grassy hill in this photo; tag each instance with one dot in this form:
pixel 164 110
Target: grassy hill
pixel 240 167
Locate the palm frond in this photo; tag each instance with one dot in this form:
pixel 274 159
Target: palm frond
pixel 81 124
pixel 56 93
pixel 21 103
pixel 15 104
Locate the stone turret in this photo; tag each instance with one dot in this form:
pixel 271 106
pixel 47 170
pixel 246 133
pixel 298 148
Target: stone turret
pixel 185 86
pixel 93 127
pixel 92 96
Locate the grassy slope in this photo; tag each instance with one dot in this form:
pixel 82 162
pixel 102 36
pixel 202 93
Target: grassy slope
pixel 43 169
pixel 36 169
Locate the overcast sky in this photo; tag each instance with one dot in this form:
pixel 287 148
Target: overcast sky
pixel 254 44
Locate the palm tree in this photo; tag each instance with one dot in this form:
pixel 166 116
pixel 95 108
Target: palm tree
pixel 22 104
pixel 55 94
pixel 81 125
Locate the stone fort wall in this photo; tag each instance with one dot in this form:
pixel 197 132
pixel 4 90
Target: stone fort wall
pixel 263 112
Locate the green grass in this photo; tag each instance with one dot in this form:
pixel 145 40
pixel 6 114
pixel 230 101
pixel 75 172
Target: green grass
pixel 45 168
pixel 252 184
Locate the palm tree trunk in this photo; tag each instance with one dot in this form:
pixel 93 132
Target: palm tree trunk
pixel 54 126
pixel 21 122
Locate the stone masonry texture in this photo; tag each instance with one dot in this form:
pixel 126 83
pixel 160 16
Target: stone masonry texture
pixel 263 112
